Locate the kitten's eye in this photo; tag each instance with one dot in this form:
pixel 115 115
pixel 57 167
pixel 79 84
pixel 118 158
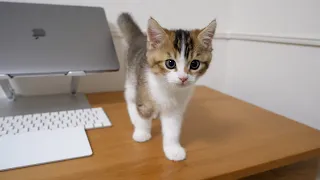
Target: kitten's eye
pixel 171 64
pixel 194 65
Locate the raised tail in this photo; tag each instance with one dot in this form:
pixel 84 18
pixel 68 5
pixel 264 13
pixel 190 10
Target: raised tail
pixel 128 27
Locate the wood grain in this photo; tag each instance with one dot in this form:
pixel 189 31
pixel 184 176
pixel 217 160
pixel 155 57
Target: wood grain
pixel 225 138
pixel 305 170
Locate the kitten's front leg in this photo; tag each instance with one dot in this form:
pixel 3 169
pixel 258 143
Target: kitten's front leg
pixel 171 128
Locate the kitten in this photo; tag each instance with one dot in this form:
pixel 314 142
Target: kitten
pixel 162 69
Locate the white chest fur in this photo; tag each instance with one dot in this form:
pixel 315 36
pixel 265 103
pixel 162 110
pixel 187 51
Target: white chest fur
pixel 168 97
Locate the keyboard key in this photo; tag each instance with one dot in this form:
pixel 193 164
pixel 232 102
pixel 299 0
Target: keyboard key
pixel 104 123
pixel 14 131
pixel 54 126
pixel 43 127
pixel 29 126
pixel 10 128
pixel 29 116
pixel 91 119
pixel 46 115
pixel 6 125
pixel 38 125
pixel 24 121
pixel 71 113
pixel 62 115
pixel 56 122
pixel 89 126
pixel 18 125
pixel 8 119
pixel 74 124
pixel 68 124
pixel 18 118
pixel 23 130
pixel 63 126
pixel 33 129
pixel 3 133
pixel 10 133
pixel 97 125
pixel 54 114
pixel 36 116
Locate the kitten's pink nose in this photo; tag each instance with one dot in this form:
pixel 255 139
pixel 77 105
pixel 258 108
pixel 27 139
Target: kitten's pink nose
pixel 183 79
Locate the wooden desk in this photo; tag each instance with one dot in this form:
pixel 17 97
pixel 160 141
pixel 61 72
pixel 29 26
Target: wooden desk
pixel 225 138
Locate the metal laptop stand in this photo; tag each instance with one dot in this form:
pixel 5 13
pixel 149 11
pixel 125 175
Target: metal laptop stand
pixel 20 105
pixel 40 47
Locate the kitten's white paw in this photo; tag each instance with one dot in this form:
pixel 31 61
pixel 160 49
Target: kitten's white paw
pixel 175 152
pixel 141 136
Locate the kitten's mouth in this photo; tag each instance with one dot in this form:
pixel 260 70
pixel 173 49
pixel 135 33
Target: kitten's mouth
pixel 183 84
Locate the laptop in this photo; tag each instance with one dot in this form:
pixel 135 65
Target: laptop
pixel 38 39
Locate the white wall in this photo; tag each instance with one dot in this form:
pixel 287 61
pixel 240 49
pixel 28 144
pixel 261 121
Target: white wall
pixel 278 74
pixel 293 18
pixel 191 14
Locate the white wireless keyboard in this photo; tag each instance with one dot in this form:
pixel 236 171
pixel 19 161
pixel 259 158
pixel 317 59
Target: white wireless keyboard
pixel 48 137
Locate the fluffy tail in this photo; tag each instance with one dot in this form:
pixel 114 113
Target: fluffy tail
pixel 128 27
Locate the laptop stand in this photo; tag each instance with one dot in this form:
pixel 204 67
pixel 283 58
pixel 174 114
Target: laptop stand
pixel 15 104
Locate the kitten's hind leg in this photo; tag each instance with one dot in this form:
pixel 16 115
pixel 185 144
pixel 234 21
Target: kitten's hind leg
pixel 142 125
pixel 139 114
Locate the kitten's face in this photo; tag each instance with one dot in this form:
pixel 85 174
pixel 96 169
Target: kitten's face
pixel 179 57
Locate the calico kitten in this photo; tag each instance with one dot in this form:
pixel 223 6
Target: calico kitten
pixel 162 69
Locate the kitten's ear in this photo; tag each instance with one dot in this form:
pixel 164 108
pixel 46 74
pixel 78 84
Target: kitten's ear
pixel 155 33
pixel 206 35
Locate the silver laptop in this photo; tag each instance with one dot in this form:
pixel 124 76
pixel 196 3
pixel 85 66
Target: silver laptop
pixel 40 39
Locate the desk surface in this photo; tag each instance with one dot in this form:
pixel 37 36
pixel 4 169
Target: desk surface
pixel 225 138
